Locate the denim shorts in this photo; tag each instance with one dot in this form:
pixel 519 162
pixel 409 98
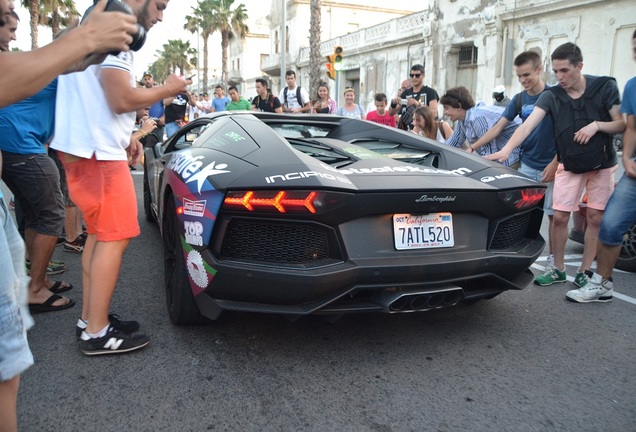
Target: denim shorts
pixel 536 174
pixel 35 182
pixel 15 355
pixel 620 212
pixel 63 185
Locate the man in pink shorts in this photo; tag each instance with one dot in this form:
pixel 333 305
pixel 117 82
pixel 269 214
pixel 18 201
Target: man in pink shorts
pixel 586 111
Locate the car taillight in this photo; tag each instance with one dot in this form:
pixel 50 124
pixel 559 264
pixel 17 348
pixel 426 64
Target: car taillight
pixel 284 201
pixel 522 198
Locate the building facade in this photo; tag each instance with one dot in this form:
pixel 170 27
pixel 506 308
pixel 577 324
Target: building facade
pixel 470 42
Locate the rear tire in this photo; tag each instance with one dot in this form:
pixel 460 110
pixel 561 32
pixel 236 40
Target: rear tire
pixel 627 259
pixel 182 307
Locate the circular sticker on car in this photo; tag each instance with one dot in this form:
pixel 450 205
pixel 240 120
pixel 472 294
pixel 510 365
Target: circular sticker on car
pixel 196 270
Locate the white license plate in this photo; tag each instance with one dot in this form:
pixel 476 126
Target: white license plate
pixel 433 230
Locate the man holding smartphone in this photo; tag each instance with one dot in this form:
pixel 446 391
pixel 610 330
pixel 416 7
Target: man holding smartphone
pixel 411 98
pixel 95 113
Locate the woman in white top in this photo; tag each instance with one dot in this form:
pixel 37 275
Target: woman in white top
pixel 350 108
pixel 427 126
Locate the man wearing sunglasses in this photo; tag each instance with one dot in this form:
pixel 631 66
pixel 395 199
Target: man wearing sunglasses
pixel 414 96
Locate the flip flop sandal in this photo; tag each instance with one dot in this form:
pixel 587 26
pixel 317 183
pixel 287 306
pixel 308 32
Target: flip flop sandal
pixel 58 288
pixel 47 306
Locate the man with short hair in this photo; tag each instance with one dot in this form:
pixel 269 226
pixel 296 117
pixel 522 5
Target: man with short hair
pixel 26 127
pixel 589 140
pixel 381 115
pixel 95 114
pixel 156 111
pixel 176 108
pixel 7 31
pixel 418 94
pixel 294 98
pixel 538 152
pixel 220 101
pixel 22 75
pixel 237 103
pixel 265 100
pixel 620 212
pixel 206 102
pixel 473 121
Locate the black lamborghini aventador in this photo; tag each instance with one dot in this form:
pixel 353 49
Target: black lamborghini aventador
pixel 318 214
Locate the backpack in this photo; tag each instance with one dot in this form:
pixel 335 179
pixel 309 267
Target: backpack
pixel 298 98
pixel 270 98
pixel 573 114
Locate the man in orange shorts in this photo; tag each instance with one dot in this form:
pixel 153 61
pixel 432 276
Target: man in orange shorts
pixel 95 115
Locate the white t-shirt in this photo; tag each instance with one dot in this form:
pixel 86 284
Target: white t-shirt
pixel 84 124
pixel 292 102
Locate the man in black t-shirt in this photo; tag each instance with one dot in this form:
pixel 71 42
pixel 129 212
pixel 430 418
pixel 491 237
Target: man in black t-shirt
pixel 175 111
pixel 415 96
pixel 265 101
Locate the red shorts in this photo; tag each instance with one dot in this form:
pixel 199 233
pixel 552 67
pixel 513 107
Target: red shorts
pixel 105 193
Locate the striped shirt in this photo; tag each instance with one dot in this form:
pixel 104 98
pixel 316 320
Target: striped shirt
pixel 478 120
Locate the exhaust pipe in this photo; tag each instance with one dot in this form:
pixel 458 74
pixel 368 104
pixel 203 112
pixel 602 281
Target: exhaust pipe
pixel 422 301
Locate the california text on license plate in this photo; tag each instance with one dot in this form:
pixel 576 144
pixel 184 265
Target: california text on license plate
pixel 433 230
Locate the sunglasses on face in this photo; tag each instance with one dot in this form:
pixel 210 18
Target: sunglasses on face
pixel 417 75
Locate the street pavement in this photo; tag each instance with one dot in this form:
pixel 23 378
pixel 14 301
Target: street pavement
pixel 524 361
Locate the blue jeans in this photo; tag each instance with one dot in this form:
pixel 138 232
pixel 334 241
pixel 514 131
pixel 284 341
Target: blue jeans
pixel 15 355
pixel 620 212
pixel 535 174
pixel 171 128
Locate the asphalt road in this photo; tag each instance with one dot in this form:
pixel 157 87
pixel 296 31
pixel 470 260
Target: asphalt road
pixel 524 361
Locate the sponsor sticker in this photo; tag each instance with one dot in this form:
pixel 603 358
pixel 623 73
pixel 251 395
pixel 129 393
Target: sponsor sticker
pixel 194 208
pixel 196 270
pixel 193 233
pixel 191 168
pixel 488 179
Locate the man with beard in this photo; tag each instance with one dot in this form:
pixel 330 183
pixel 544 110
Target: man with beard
pixel 94 116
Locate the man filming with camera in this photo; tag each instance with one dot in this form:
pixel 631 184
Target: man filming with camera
pixel 95 113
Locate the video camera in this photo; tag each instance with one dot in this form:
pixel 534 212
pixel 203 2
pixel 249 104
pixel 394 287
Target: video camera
pixel 139 38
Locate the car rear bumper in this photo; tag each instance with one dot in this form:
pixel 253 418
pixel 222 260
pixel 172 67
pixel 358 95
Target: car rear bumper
pixel 367 285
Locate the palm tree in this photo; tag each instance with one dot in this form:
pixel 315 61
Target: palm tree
pixel 199 21
pixel 33 6
pixel 229 22
pixel 179 55
pixel 57 14
pixel 160 69
pixel 314 46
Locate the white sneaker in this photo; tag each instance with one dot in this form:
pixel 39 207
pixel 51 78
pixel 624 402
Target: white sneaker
pixel 593 291
pixel 549 261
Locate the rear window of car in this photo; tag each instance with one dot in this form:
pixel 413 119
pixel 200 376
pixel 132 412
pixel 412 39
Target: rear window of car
pixel 290 130
pixel 228 137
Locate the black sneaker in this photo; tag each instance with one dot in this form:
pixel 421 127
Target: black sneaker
pixel 76 246
pixel 116 323
pixel 115 342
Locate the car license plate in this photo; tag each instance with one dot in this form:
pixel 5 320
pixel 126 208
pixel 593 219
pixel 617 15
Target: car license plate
pixel 433 230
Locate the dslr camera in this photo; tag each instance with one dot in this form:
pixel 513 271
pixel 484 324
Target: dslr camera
pixel 139 38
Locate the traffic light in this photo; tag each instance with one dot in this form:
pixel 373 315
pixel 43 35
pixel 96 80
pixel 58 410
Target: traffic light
pixel 337 57
pixel 334 62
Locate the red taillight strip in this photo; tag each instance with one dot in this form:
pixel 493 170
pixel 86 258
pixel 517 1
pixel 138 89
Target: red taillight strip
pixel 530 197
pixel 280 202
